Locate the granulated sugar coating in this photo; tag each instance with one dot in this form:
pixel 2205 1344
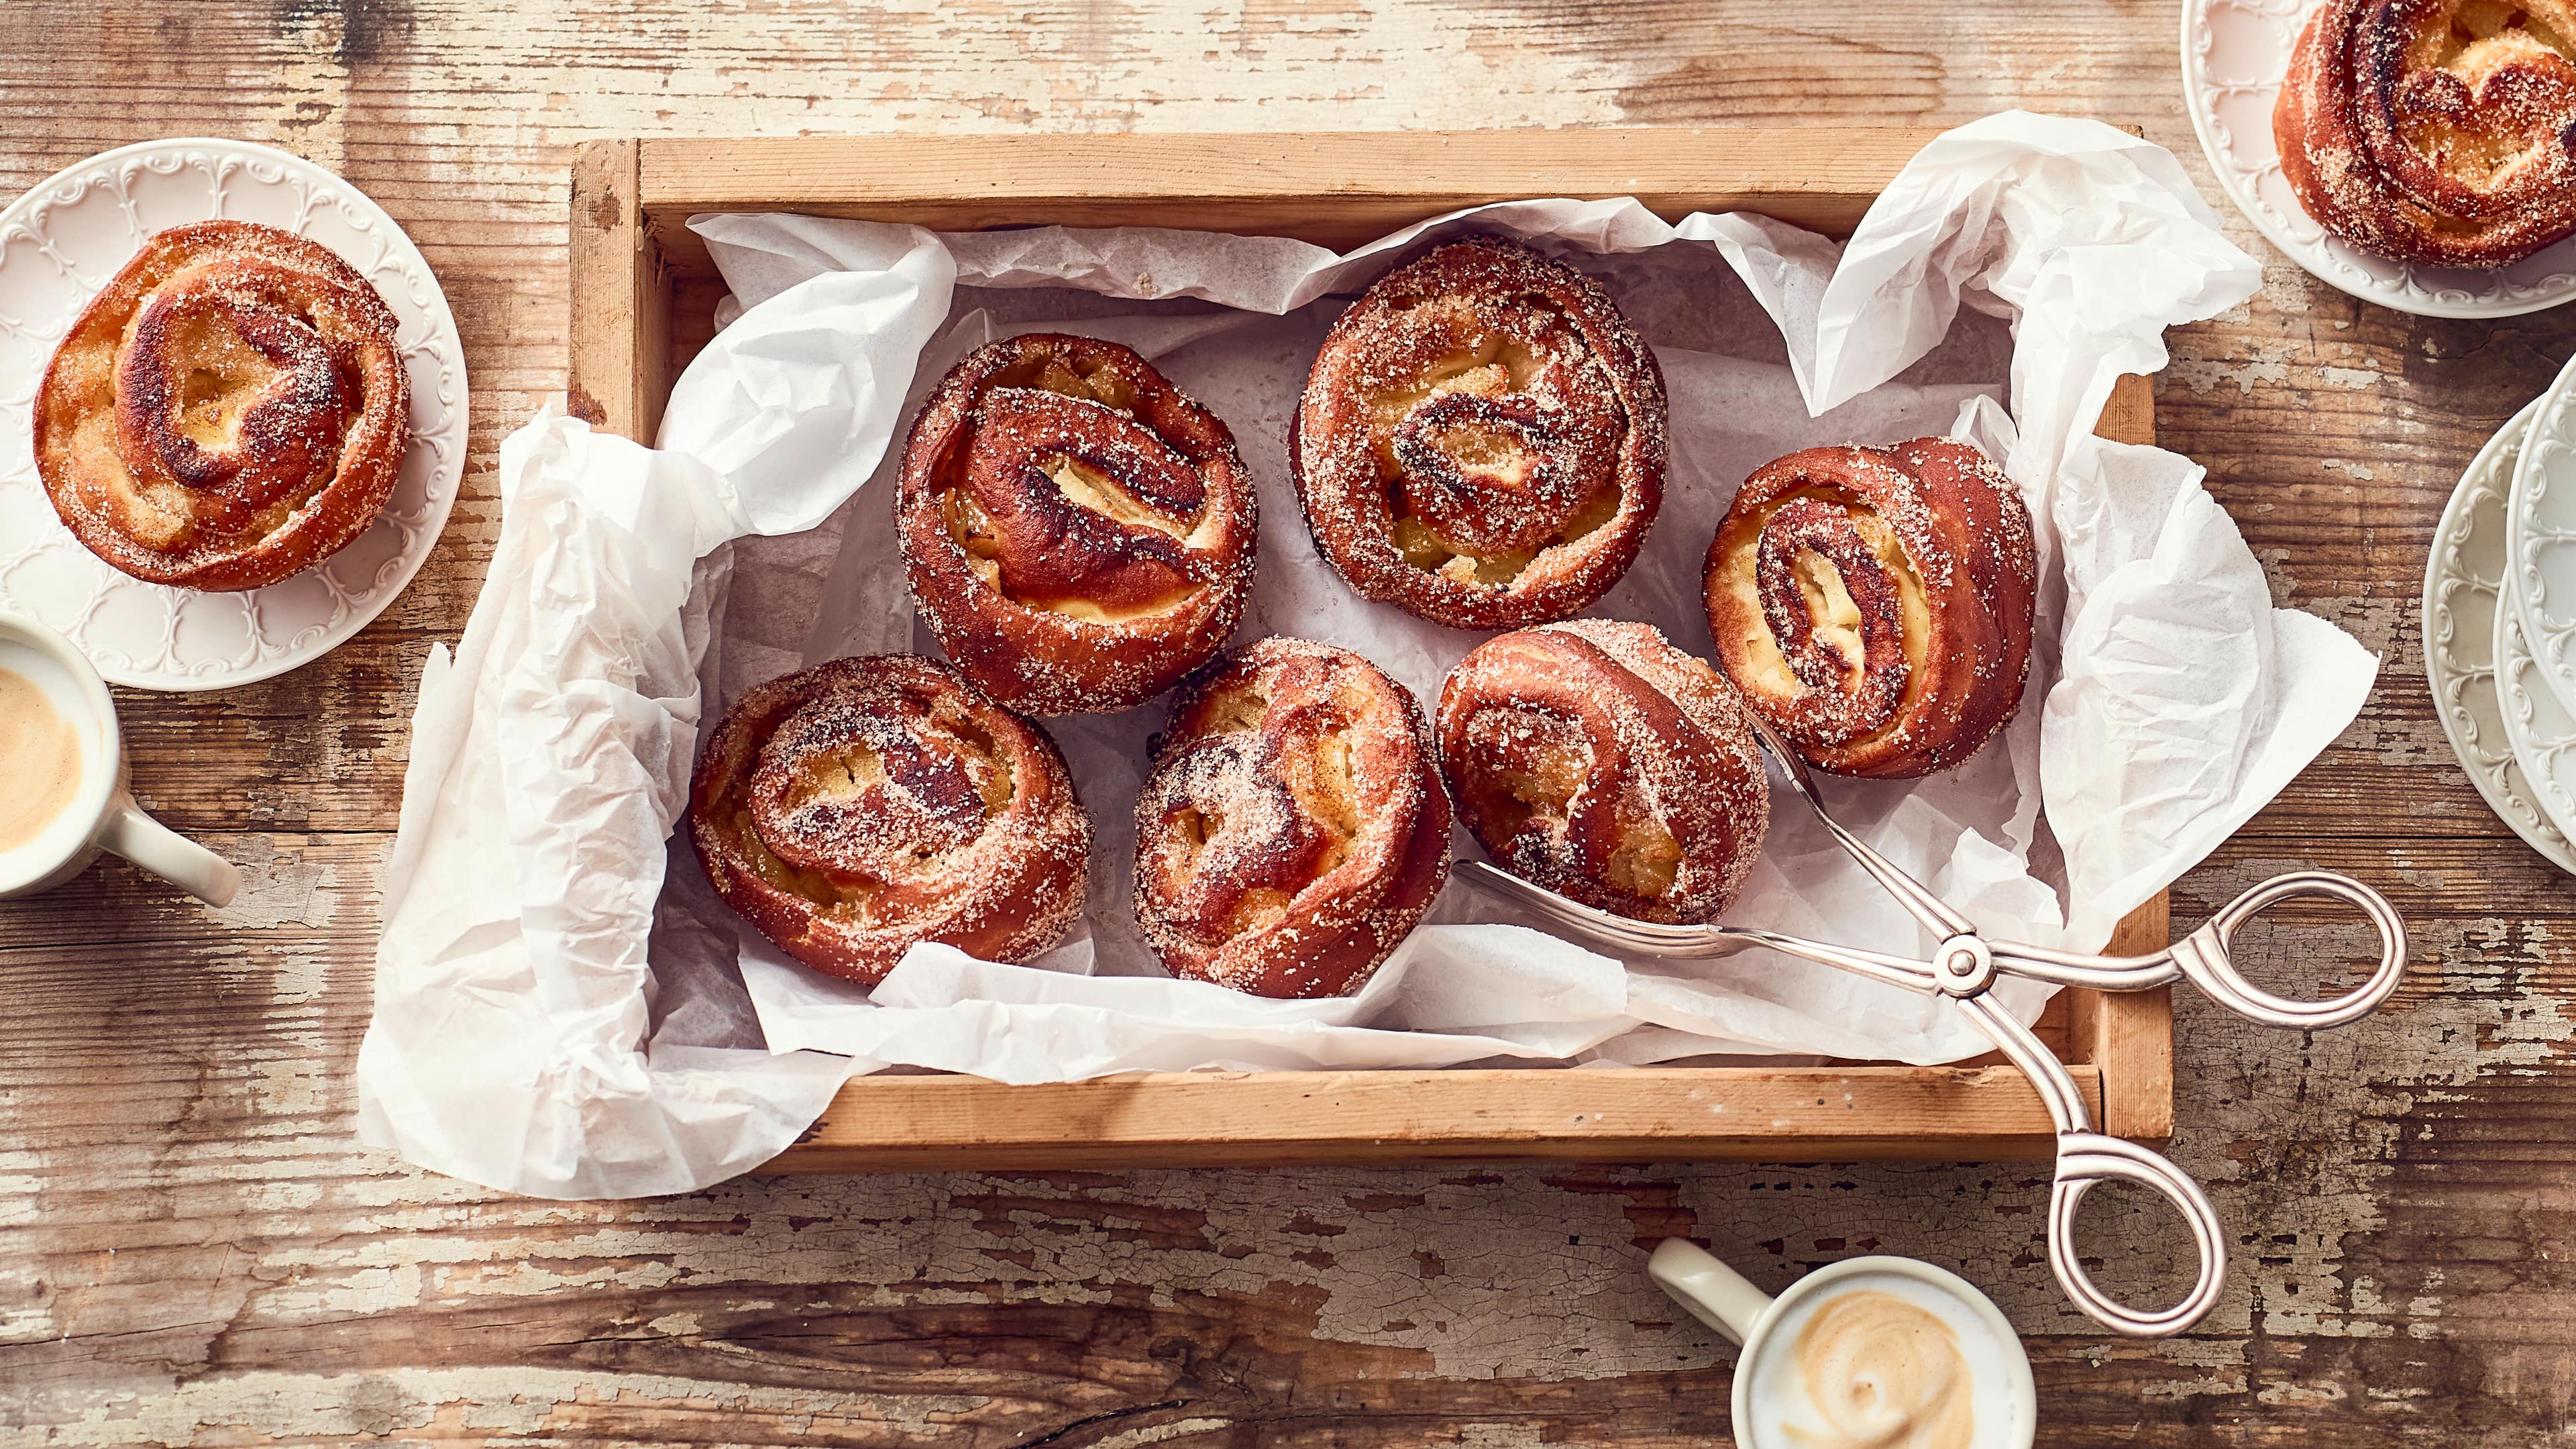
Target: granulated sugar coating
pixel 1293 829
pixel 1482 439
pixel 230 410
pixel 853 809
pixel 2434 131
pixel 1876 604
pixel 1595 759
pixel 1078 533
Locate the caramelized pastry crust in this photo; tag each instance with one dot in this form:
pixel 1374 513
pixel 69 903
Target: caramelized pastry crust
pixel 1481 441
pixel 229 411
pixel 2434 131
pixel 1293 828
pixel 1874 604
pixel 1595 759
pixel 855 808
pixel 1078 533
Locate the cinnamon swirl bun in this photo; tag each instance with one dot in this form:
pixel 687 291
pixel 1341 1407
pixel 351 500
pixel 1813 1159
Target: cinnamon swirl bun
pixel 1078 533
pixel 2434 131
pixel 1595 759
pixel 1874 604
pixel 1293 828
pixel 1481 440
pixel 855 808
pixel 230 410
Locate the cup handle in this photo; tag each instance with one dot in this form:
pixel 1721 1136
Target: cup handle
pixel 1714 1293
pixel 168 854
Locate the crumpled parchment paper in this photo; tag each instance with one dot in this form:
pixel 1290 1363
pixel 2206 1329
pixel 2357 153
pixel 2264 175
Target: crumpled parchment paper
pixel 564 1009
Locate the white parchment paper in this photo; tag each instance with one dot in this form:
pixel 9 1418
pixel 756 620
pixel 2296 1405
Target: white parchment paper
pixel 564 1009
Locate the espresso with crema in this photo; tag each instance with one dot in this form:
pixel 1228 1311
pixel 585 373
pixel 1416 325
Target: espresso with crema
pixel 40 761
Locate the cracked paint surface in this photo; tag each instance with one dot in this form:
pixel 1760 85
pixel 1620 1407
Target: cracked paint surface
pixel 192 1249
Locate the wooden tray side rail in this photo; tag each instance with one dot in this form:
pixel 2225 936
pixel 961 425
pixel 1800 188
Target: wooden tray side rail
pixel 643 294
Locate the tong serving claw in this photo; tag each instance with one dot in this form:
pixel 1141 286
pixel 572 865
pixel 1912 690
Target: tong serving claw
pixel 1965 965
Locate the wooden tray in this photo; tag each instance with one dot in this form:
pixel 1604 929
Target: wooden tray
pixel 643 297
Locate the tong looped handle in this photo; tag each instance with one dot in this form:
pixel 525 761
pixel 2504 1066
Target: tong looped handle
pixel 2085 1158
pixel 2202 957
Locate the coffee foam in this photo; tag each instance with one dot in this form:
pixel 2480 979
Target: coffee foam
pixel 1785 1414
pixel 70 701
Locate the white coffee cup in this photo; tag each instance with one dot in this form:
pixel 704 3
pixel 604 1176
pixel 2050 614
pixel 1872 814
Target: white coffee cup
pixel 102 814
pixel 1767 1376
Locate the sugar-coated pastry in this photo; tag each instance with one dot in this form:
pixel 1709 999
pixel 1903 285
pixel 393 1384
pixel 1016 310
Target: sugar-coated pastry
pixel 230 410
pixel 855 808
pixel 1481 440
pixel 1595 759
pixel 1293 828
pixel 1874 604
pixel 1078 532
pixel 2434 131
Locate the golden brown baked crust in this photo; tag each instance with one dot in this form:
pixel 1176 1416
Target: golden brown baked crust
pixel 1481 440
pixel 1078 533
pixel 1292 829
pixel 230 410
pixel 2434 131
pixel 1874 604
pixel 857 807
pixel 1595 759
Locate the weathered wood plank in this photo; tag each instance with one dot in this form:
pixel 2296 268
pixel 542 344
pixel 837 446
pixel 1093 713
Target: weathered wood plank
pixel 192 1249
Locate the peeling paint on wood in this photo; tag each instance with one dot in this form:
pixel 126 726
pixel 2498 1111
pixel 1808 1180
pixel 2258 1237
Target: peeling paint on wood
pixel 192 1248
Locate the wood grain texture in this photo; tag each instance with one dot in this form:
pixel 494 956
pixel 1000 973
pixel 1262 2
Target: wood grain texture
pixel 193 1249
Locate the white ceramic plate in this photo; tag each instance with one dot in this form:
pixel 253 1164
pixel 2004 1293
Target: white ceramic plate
pixel 2234 54
pixel 59 244
pixel 2463 597
pixel 2542 730
pixel 2540 539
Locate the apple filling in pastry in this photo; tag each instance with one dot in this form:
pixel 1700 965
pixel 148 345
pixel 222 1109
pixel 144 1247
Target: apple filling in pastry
pixel 1078 533
pixel 1875 604
pixel 1481 441
pixel 1293 827
pixel 854 809
pixel 1595 759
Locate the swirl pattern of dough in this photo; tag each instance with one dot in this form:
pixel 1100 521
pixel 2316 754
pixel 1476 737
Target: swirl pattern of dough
pixel 855 808
pixel 1293 828
pixel 1078 533
pixel 1874 604
pixel 2434 131
pixel 230 410
pixel 1595 759
pixel 1481 440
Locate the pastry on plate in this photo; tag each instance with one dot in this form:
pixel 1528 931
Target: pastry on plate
pixel 230 410
pixel 1077 532
pixel 1481 440
pixel 1595 759
pixel 1874 604
pixel 1292 829
pixel 2434 131
pixel 857 807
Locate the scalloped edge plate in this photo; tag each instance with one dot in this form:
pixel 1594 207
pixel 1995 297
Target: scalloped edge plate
pixel 2540 539
pixel 2463 598
pixel 59 243
pixel 2234 54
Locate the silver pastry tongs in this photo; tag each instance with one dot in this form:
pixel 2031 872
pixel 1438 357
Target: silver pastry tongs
pixel 1965 965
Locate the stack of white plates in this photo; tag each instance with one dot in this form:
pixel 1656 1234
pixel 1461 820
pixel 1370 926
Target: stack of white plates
pixel 2500 622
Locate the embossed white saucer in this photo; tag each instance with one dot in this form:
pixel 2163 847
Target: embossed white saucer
pixel 59 244
pixel 2542 730
pixel 2463 604
pixel 2234 55
pixel 2540 539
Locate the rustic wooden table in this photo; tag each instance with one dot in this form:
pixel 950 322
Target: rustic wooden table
pixel 193 1247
